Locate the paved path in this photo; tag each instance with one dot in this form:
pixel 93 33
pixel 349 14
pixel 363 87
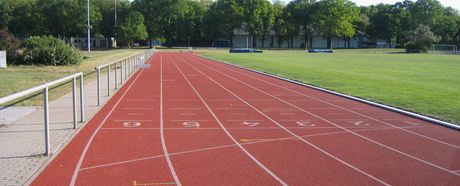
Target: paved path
pixel 22 139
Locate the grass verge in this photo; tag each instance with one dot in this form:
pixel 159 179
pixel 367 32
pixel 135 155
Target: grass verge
pixel 18 78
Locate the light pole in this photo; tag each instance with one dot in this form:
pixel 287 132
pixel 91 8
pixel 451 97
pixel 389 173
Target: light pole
pixel 89 28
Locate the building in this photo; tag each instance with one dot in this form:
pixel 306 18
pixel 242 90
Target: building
pixel 96 42
pixel 242 39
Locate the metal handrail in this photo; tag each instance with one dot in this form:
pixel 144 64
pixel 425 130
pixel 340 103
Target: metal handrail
pixel 127 66
pixel 45 88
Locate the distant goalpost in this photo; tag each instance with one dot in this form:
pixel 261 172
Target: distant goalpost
pixel 443 48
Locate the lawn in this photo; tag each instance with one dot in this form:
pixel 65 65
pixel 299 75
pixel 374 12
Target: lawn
pixel 17 78
pixel 424 83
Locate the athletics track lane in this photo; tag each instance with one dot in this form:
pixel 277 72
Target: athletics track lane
pixel 218 130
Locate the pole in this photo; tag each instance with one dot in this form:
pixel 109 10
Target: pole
pixel 47 123
pixel 116 17
pixel 74 102
pixel 89 27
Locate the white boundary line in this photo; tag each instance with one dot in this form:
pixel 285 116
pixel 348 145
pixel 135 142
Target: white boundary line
pixel 88 144
pixel 226 146
pixel 339 126
pixel 290 132
pixel 228 133
pixel 386 107
pixel 163 142
pixel 406 113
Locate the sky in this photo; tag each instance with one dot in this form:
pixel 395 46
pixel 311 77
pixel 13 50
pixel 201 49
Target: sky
pixel 452 3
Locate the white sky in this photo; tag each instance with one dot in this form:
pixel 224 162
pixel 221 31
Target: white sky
pixel 452 3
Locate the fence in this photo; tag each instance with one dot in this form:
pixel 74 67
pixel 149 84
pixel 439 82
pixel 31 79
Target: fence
pixel 127 66
pixel 45 88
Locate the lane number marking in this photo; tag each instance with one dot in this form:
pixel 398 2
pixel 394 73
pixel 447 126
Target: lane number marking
pixel 251 124
pixel 305 124
pixel 361 123
pixel 191 124
pixel 131 124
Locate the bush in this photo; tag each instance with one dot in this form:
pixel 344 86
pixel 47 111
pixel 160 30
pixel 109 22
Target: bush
pixel 420 39
pixel 48 50
pixel 9 44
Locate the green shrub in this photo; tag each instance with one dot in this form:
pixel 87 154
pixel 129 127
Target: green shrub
pixel 48 50
pixel 421 39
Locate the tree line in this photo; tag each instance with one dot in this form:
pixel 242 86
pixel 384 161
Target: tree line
pixel 175 22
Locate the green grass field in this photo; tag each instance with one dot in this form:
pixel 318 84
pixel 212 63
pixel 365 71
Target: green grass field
pixel 17 78
pixel 424 83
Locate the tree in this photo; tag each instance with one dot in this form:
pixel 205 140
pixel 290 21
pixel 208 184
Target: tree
pixel 67 17
pixel 383 23
pixel 222 18
pixel 106 26
pixel 190 26
pixel 255 11
pixel 131 28
pixel 9 44
pixel 268 19
pixel 160 16
pixel 336 18
pixel 303 13
pixel 421 39
pixel 279 23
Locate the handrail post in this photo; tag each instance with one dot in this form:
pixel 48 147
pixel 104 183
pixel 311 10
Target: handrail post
pixel 98 87
pixel 121 72
pixel 46 117
pixel 116 75
pixel 108 80
pixel 82 100
pixel 124 63
pixel 74 102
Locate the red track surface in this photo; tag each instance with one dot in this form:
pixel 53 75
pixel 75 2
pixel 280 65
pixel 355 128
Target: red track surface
pixel 207 123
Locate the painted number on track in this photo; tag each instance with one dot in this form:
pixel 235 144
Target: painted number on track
pixel 191 124
pixel 251 124
pixel 305 124
pixel 131 124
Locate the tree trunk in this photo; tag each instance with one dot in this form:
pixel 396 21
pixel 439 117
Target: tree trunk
pixel 150 41
pixel 311 42
pixel 271 41
pixel 231 40
pixel 263 40
pixel 306 37
pixel 253 42
pixel 329 41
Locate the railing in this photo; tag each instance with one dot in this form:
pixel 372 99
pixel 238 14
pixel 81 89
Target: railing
pixel 127 66
pixel 45 88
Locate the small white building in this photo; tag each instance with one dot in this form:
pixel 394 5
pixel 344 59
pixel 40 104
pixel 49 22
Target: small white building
pixel 96 42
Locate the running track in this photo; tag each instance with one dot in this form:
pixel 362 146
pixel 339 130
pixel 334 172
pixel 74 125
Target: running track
pixel 191 121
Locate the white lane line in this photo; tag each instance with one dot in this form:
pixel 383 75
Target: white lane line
pixel 292 133
pixel 412 123
pixel 141 100
pixel 137 108
pixel 136 114
pixel 187 114
pixel 228 133
pixel 349 110
pixel 88 144
pixel 231 145
pixel 184 108
pixel 121 120
pixel 339 126
pixel 163 142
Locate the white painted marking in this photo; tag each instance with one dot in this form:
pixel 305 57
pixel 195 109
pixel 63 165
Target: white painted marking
pixel 251 124
pixel 238 114
pixel 361 123
pixel 415 124
pixel 231 108
pixel 136 114
pixel 152 100
pixel 191 124
pixel 137 108
pixel 305 124
pixel 187 120
pixel 243 120
pixel 187 114
pixel 332 123
pixel 349 110
pixel 131 124
pixel 290 132
pixel 168 80
pixel 163 142
pixel 121 120
pixel 227 146
pixel 85 150
pixel 228 133
pixel 184 108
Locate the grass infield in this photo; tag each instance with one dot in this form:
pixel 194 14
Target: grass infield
pixel 423 83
